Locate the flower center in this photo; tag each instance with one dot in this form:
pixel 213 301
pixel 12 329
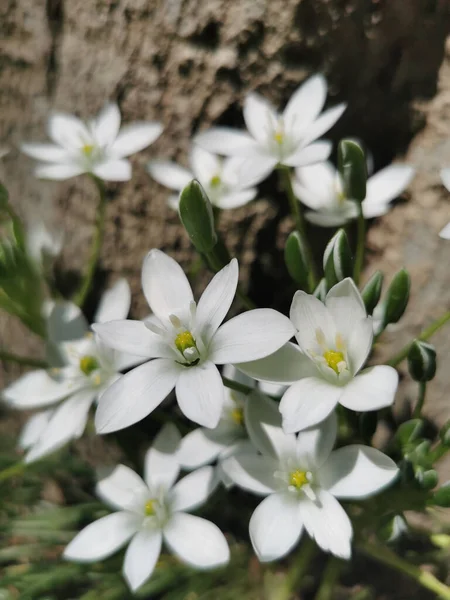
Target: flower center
pixel 88 364
pixel 150 508
pixel 185 344
pixel 278 136
pixel 215 181
pixel 333 359
pixel 237 415
pixel 88 149
pixel 298 479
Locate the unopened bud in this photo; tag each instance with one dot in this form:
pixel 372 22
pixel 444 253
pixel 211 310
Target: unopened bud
pixel 372 291
pixel 397 297
pixel 422 361
pixel 353 169
pixel 337 259
pixel 296 259
pixel 196 214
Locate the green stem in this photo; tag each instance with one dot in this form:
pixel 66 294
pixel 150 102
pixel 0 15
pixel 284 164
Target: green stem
pixel 298 570
pixel 420 400
pixel 23 360
pixel 361 244
pixel 16 469
pixel 297 215
pixel 423 578
pixel 329 579
pixel 425 335
pixel 97 241
pixel 236 386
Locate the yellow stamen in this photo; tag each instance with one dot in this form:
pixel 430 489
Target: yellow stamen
pixel 237 414
pixel 298 479
pixel 88 149
pixel 278 136
pixel 333 358
pixel 150 508
pixel 215 181
pixel 88 364
pixel 184 340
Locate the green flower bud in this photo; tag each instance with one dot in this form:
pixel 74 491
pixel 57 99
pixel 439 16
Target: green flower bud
pixel 422 361
pixel 442 496
pixel 444 434
pixel 196 214
pixel 296 259
pixel 392 528
pixel 353 169
pixel 397 297
pixel 426 478
pixel 419 453
pixel 408 432
pixel 337 259
pixel 372 291
pixel 321 290
pixel 368 422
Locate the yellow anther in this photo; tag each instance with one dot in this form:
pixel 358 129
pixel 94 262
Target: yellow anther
pixel 150 508
pixel 184 340
pixel 215 181
pixel 88 364
pixel 237 414
pixel 333 358
pixel 97 379
pixel 88 149
pixel 298 479
pixel 278 136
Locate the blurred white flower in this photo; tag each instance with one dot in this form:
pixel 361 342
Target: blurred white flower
pixel 445 176
pixel 320 188
pixel 89 368
pixel 334 341
pixel 98 147
pixel 220 178
pixel 186 342
pixel 277 139
pixel 43 243
pixel 303 478
pixel 151 511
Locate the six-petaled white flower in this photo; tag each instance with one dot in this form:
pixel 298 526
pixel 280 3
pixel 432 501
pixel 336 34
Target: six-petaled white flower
pixel 88 369
pixel 320 188
pixel 99 146
pixel 334 342
pixel 221 179
pixel 303 479
pixel 278 139
pixel 445 176
pixel 150 512
pixel 186 341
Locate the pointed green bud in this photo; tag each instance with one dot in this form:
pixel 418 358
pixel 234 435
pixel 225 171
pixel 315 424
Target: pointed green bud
pixel 409 431
pixel 444 434
pixel 426 478
pixel 397 297
pixel 337 259
pixel 372 291
pixel 442 496
pixel 196 214
pixel 422 361
pixel 368 422
pixel 419 453
pixel 392 528
pixel 296 259
pixel 321 290
pixel 353 169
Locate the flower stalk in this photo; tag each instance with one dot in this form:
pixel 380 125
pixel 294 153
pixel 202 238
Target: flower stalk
pixel 359 259
pixel 421 400
pixel 329 579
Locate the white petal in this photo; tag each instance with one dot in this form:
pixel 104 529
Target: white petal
pixel 114 303
pixel 103 537
pixel 316 185
pixel 275 527
pixel 360 344
pixel 193 490
pixel 161 461
pixel 388 184
pixel 347 309
pixel 309 315
pixel 251 335
pixel 199 447
pixel 216 300
pixel 371 211
pixel 325 219
pixel 36 389
pixel 276 390
pixel 256 167
pixel 286 365
pixel 169 174
pixel 328 524
pixel 33 429
pixel 196 541
pixel 141 557
pixel 308 402
pixel 236 199
pixel 121 488
pixel 132 337
pixel 46 152
pixel 204 164
pixel 259 116
pixel 135 395
pixel 200 394
pixel 445 176
pixel 135 137
pixel 59 171
pixel 309 155
pixel 107 124
pixel 445 232
pixel 231 372
pixel 165 286
pixel 113 170
pixel 68 131
pixel 305 104
pixel 225 141
pixel 252 472
pixel 67 423
pixel 323 123
pixel 372 389
pixel 314 445
pixel 66 322
pixel 357 472
pixel 173 201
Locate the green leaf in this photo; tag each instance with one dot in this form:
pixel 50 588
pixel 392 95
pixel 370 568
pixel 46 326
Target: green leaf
pixel 296 259
pixel 196 214
pixel 321 290
pixel 397 297
pixel 442 496
pixel 353 169
pixel 444 434
pixel 422 361
pixel 337 259
pixel 371 292
pixel 409 431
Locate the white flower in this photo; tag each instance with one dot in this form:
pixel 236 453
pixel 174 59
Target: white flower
pixel 273 138
pixel 89 368
pixel 334 341
pixel 186 342
pixel 445 176
pixel 96 147
pixel 320 188
pixel 153 511
pixel 302 479
pixel 221 179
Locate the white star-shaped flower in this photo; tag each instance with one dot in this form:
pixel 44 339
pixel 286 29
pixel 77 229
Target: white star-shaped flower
pixel 151 511
pixel 320 188
pixel 186 341
pixel 88 369
pixel 99 147
pixel 334 341
pixel 445 176
pixel 221 179
pixel 302 479
pixel 275 139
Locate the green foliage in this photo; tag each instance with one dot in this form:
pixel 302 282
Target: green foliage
pixel 197 216
pixel 296 259
pixel 337 259
pixel 353 170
